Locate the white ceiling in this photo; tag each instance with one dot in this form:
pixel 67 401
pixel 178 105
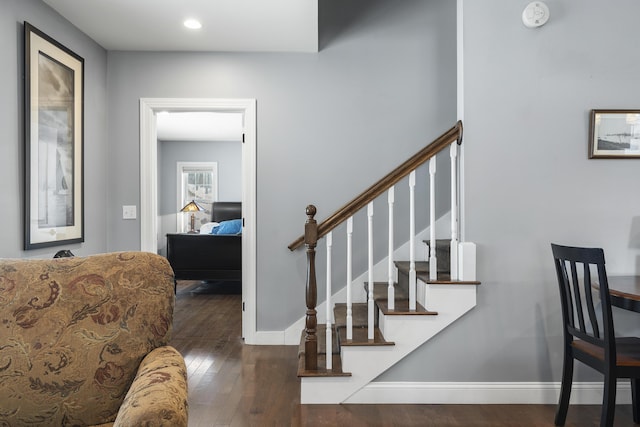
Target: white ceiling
pixel 227 25
pixel 199 126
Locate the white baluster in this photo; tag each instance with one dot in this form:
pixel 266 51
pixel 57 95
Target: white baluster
pixel 433 262
pixel 454 211
pixel 412 249
pixel 329 338
pixel 390 289
pixel 370 275
pixel 349 277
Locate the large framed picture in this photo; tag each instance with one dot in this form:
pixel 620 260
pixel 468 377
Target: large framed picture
pixel 54 95
pixel 614 134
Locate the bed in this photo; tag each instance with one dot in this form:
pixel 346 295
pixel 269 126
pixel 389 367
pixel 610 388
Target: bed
pixel 195 256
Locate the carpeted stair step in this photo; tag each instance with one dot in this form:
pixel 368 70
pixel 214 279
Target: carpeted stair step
pixel 321 333
pixel 380 291
pixel 401 308
pixel 401 301
pixel 359 315
pixel 421 266
pixel 360 337
pixel 422 273
pixel 443 254
pixel 422 269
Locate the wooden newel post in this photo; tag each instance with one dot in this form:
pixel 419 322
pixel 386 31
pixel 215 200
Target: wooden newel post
pixel 311 339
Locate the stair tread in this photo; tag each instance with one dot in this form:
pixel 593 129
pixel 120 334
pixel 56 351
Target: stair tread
pixel 360 337
pixel 441 241
pixel 402 308
pixel 322 371
pixel 445 279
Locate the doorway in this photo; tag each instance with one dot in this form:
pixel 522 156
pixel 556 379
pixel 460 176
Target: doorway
pixel 149 229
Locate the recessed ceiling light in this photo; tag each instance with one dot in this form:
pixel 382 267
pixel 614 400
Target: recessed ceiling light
pixel 192 24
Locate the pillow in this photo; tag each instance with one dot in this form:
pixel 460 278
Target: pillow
pixel 206 228
pixel 233 226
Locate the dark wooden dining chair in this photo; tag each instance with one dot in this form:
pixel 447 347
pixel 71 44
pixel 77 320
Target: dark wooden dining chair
pixel 589 334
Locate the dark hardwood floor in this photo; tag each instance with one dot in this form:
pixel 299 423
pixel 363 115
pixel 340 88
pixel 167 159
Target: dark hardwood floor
pixel 232 384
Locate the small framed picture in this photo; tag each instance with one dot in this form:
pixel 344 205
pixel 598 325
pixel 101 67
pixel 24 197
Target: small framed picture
pixel 614 134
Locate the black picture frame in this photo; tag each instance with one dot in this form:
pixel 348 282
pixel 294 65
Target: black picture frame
pixel 614 134
pixel 54 142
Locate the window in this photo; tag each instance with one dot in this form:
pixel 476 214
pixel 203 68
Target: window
pixel 196 181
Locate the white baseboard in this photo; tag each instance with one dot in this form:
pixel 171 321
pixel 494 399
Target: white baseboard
pixel 536 393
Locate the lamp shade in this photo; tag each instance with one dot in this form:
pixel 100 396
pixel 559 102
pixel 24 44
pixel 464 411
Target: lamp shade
pixel 192 206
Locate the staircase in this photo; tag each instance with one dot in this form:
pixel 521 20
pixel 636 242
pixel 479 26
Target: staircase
pixel 338 359
pixel 398 332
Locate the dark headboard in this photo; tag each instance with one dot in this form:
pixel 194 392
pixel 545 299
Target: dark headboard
pixel 222 211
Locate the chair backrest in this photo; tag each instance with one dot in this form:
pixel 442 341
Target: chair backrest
pixel 583 317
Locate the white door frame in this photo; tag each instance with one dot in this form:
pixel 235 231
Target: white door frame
pixel 149 230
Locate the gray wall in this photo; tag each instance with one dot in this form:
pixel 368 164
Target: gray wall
pixel 12 15
pixel 329 124
pixel 528 93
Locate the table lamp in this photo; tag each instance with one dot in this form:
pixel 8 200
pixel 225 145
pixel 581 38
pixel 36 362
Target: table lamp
pixel 192 207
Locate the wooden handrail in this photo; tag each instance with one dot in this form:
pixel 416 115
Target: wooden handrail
pixel 391 179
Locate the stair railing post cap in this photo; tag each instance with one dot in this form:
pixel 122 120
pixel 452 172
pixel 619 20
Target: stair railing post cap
pixel 311 210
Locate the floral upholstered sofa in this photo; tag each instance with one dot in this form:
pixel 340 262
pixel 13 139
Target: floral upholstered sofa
pixel 83 341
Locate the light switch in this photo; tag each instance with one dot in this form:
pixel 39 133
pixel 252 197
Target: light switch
pixel 129 212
